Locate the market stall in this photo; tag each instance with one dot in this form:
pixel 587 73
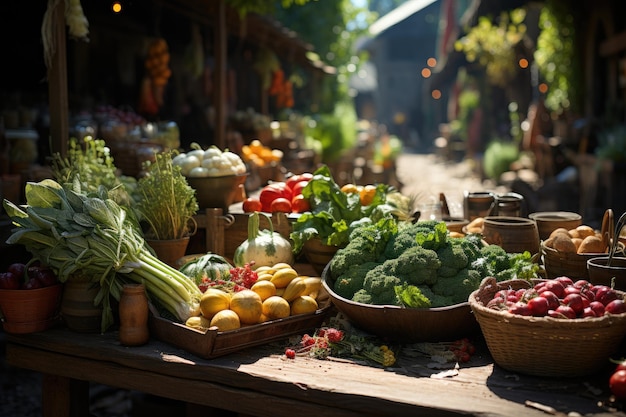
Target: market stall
pixel 261 382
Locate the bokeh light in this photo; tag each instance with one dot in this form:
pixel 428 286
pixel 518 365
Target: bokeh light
pixel 436 94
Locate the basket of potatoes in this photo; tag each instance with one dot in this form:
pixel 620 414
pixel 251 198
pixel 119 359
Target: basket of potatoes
pixel 565 252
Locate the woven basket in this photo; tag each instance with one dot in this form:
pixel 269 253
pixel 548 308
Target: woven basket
pixel 574 265
pixel 545 346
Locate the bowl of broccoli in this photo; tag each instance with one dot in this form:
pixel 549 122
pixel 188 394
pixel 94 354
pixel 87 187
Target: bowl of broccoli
pixel 410 282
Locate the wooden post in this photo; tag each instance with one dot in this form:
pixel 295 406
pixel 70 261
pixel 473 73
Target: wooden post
pixel 57 85
pixel 221 39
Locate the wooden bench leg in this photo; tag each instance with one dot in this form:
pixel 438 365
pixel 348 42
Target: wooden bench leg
pixel 63 396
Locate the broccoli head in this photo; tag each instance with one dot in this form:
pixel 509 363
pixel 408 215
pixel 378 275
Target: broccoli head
pixel 362 296
pixel 401 241
pixel 459 287
pixel 453 256
pixel 493 258
pixel 347 284
pixel 381 286
pixel 436 300
pixel 417 265
pixel 367 243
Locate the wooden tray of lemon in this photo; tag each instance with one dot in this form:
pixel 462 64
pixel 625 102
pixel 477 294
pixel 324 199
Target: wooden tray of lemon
pixel 211 343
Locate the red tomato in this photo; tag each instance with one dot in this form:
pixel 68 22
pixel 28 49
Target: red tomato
pixel 252 204
pixel 538 306
pixel 281 205
pixel 553 300
pixel 297 187
pixel 564 280
pixel 605 294
pixel 273 191
pixel 597 307
pixel 565 312
pixel 294 179
pixel 575 301
pixel 556 287
pixel 520 308
pixel 615 307
pixel 617 384
pixel 299 204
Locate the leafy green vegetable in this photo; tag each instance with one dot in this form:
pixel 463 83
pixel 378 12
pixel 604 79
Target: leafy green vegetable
pixel 411 296
pixel 91 235
pixel 334 214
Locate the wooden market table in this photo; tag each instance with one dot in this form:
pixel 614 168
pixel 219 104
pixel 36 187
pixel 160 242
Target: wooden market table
pixel 261 382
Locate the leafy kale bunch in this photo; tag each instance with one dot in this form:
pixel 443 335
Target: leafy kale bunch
pixel 418 265
pixel 335 214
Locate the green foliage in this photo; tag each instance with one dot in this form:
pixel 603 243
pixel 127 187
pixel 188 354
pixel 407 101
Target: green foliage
pixel 556 56
pixel 165 201
pixel 499 156
pixel 411 296
pixel 492 45
pixel 334 131
pixel 90 162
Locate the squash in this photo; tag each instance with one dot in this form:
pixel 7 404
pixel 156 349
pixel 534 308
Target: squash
pixel 211 265
pixel 263 247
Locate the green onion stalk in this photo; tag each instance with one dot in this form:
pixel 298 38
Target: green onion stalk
pixel 89 234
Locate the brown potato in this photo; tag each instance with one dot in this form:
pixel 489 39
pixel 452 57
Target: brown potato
pixel 573 233
pixel 457 234
pixel 564 243
pixel 577 241
pixel 584 231
pixel 560 230
pixel 592 244
pixel 549 243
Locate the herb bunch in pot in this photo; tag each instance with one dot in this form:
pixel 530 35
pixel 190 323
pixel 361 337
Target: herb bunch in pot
pixel 165 206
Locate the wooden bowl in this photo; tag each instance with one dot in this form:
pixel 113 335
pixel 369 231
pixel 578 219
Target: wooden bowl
pixel 405 325
pixel 217 192
pixel 513 234
pixel 548 221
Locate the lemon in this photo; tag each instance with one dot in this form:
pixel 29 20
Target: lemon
pixel 276 307
pixel 264 288
pixel 303 304
pixel 226 320
pixel 248 306
pixel 212 301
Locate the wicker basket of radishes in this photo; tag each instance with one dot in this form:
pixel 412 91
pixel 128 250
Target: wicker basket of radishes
pixel 553 328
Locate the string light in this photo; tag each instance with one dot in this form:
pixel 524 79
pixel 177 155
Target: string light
pixel 116 7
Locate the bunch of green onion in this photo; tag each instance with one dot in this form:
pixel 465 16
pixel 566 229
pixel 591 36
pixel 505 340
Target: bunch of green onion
pixel 89 234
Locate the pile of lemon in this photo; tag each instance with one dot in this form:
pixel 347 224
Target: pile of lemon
pixel 279 292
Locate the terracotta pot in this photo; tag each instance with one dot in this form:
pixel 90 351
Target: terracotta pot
pixel 28 311
pixel 169 250
pixel 78 308
pixel 513 234
pixel 133 312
